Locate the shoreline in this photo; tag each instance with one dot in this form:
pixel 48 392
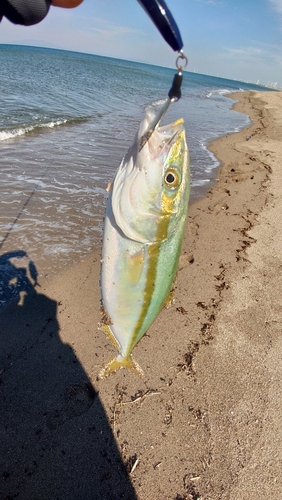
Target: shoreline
pixel 56 250
pixel 205 422
pixel 203 192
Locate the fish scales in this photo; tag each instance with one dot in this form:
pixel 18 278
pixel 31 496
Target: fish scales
pixel 143 230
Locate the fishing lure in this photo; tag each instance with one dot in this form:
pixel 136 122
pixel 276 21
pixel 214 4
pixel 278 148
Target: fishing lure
pixel 164 21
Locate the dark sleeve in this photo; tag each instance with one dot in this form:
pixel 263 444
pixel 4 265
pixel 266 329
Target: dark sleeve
pixel 26 12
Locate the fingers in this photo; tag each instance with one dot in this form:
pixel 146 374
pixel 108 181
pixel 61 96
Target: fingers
pixel 25 12
pixel 68 4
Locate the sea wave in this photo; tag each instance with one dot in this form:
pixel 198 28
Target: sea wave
pixel 5 135
pixel 159 102
pixel 220 92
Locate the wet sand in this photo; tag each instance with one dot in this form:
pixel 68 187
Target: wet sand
pixel 206 421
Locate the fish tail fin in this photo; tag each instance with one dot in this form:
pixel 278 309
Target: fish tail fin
pixel 120 362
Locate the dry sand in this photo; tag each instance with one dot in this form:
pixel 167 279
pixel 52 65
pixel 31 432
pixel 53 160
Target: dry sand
pixel 206 422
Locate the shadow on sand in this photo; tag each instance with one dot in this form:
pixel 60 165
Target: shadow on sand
pixel 56 442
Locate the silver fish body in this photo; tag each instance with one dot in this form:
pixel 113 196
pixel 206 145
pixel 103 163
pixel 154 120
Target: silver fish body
pixel 143 230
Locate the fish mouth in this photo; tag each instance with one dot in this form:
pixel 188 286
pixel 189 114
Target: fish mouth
pixel 171 130
pixel 151 123
pixel 163 138
pixel 153 137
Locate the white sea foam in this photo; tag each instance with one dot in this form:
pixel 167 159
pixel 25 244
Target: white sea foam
pixel 159 102
pixel 200 183
pixel 12 134
pixel 52 176
pixel 4 136
pixel 220 92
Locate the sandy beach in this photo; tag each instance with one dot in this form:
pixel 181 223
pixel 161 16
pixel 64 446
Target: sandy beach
pixel 205 423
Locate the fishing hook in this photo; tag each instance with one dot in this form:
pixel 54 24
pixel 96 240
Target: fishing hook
pixel 174 95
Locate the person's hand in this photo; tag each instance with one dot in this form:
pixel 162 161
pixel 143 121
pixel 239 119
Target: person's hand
pixel 67 4
pixel 29 12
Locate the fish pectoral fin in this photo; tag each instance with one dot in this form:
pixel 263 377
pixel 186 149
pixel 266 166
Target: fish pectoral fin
pixel 120 362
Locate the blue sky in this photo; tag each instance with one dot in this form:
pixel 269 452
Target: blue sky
pixel 237 39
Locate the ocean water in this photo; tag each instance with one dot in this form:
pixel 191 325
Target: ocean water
pixel 66 120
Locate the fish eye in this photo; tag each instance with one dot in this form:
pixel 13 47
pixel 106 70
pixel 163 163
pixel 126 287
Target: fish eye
pixel 171 178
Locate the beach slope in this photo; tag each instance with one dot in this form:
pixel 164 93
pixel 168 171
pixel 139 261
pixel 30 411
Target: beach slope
pixel 206 420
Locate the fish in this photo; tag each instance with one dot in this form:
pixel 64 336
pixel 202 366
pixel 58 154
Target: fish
pixel 143 230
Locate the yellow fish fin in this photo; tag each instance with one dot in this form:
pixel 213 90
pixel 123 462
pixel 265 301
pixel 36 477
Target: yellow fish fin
pixel 169 300
pixel 170 296
pixel 106 328
pixel 120 362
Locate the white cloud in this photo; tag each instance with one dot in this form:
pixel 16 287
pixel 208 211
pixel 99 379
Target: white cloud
pixel 256 61
pixel 277 5
pixel 107 29
pixel 259 50
pixel 246 52
pixel 212 2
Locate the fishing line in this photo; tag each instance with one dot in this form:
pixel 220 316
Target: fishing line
pixel 174 95
pixel 23 208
